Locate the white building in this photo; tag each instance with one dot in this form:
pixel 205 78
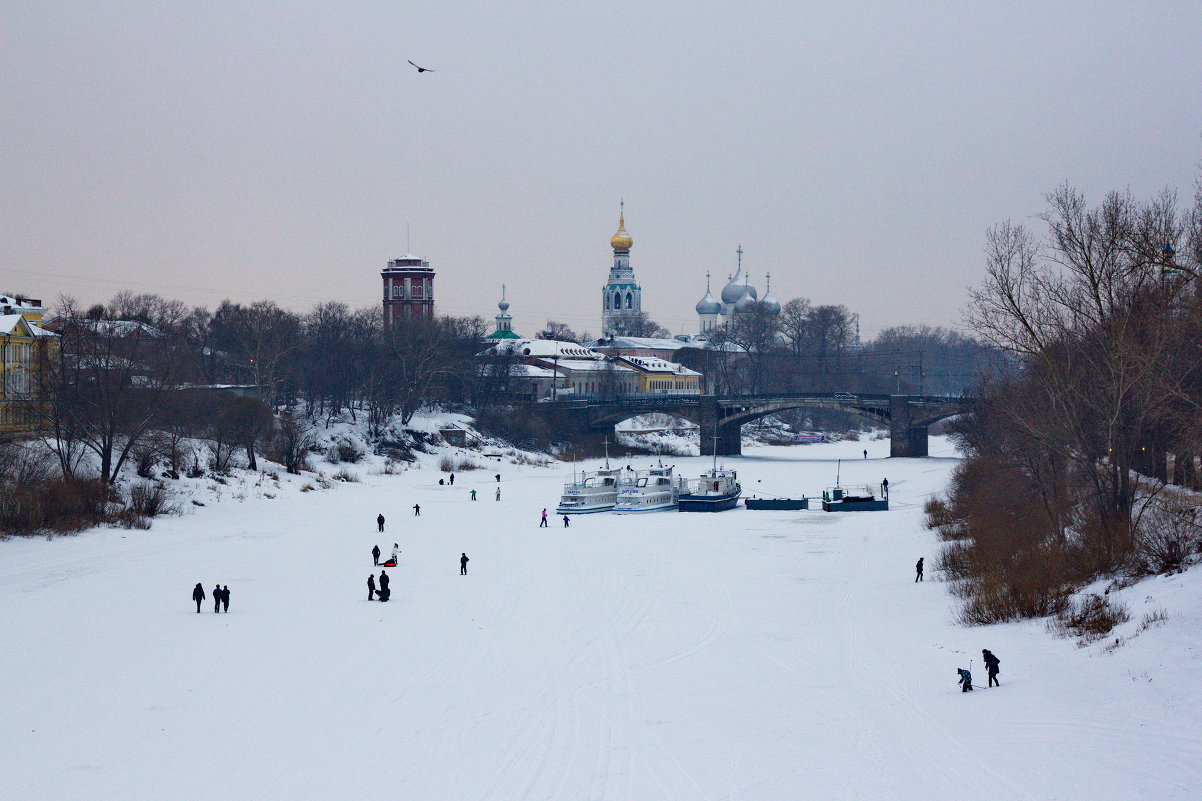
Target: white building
pixel 737 296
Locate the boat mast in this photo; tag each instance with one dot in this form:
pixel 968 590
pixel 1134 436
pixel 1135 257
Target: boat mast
pixel 606 441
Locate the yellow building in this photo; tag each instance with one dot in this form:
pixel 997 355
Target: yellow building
pixel 24 347
pixel 659 377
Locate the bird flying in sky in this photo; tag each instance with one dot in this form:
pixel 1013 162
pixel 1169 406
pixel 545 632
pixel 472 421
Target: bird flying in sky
pixel 422 69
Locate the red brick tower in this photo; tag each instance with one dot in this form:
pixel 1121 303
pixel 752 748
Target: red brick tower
pixel 408 289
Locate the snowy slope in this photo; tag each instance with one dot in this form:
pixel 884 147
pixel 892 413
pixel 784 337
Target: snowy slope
pixel 742 655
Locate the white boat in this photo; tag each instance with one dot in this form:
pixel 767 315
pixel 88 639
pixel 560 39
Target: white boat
pixel 591 492
pixel 655 490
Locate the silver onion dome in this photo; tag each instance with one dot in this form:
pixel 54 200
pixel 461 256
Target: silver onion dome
pixel 709 304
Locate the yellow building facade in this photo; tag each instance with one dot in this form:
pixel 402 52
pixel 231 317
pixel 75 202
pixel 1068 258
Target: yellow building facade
pixel 659 377
pixel 24 348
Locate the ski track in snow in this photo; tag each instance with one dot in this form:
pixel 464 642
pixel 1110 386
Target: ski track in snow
pixel 742 655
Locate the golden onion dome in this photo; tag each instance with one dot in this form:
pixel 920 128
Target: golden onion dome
pixel 621 240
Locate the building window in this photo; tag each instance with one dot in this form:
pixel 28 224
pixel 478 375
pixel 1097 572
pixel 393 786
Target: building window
pixel 417 291
pixel 629 300
pixel 396 291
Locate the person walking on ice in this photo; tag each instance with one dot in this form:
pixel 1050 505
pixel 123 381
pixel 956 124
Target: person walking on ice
pixel 918 567
pixel 225 599
pixel 865 453
pixel 375 555
pixel 473 495
pixel 380 522
pixel 417 510
pixel 198 595
pixel 498 493
pixel 543 522
pixel 992 667
pixel 452 479
pixel 371 586
pixel 567 521
pixel 463 560
pixel 216 597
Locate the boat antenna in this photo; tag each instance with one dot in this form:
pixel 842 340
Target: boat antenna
pixel 838 470
pixel 606 441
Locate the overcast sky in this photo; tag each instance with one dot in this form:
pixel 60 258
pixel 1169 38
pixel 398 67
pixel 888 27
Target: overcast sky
pixel 858 151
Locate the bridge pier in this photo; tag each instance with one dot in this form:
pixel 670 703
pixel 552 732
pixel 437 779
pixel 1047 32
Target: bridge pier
pixel 905 438
pixel 729 442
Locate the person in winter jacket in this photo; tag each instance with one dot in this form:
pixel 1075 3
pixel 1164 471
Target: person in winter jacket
pixel 371 586
pixel 383 581
pixel 463 560
pixel 567 521
pixel 498 493
pixel 396 549
pixel 918 568
pixel 965 680
pixel 375 555
pixel 452 479
pixel 992 667
pixel 417 510
pixel 225 598
pixel 198 595
pixel 217 598
pixel 380 521
pixel 543 524
pixel 473 495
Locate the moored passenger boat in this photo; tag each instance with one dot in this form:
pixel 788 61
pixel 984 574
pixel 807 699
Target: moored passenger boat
pixel 591 492
pixel 655 490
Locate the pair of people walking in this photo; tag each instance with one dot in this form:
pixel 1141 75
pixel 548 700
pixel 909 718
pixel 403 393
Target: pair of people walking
pixel 221 597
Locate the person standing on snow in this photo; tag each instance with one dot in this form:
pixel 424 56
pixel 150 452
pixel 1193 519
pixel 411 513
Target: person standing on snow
pixel 380 521
pixel 992 667
pixel 498 478
pixel 885 488
pixel 198 595
pixel 217 598
pixel 225 599
pixel 375 555
pixel 371 586
pixel 417 510
pixel 383 581
pixel 463 560
pixel 918 567
pixel 865 453
pixel 452 479
pixel 566 521
pixel 396 549
pixel 543 524
pixel 473 495
pixel 498 493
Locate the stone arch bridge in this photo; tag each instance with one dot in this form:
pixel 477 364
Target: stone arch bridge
pixel 907 416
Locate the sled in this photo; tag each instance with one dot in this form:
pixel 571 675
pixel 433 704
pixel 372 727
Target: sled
pixel 389 563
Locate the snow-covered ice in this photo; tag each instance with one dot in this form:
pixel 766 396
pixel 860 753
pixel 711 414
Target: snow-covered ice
pixel 740 655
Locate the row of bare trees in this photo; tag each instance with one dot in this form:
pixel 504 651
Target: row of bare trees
pixel 1103 309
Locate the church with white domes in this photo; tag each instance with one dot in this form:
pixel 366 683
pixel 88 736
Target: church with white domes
pixel 737 296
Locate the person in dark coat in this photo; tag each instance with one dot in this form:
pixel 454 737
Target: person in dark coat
pixel 383 581
pixel 384 593
pixel 198 595
pixel 865 453
pixel 463 560
pixel 217 598
pixel 225 598
pixel 452 479
pixel 885 488
pixel 417 510
pixel 375 555
pixel 992 667
pixel 371 586
pixel 566 521
pixel 380 521
pixel 498 478
pixel 918 569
